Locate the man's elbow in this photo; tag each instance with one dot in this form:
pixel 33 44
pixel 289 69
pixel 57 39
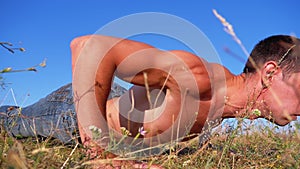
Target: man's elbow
pixel 76 45
pixel 78 42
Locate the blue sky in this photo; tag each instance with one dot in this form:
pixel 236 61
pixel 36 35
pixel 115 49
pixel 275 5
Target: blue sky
pixel 46 28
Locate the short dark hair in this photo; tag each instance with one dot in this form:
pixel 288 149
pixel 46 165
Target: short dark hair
pixel 283 49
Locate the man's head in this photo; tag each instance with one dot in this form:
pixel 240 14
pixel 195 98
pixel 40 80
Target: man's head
pixel 282 49
pixel 275 63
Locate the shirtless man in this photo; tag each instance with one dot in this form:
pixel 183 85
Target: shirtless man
pixel 190 90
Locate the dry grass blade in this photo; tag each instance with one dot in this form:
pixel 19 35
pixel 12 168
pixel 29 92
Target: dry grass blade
pixel 147 89
pixel 72 152
pixel 229 29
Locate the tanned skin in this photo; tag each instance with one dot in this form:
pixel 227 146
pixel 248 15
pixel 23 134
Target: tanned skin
pixel 218 91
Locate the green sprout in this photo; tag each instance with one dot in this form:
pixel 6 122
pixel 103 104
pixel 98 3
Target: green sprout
pixel 256 112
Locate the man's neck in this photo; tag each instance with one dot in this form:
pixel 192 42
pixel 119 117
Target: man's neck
pixel 241 95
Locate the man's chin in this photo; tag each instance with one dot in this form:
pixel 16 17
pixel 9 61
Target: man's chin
pixel 283 122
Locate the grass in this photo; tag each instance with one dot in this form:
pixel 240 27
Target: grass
pixel 233 148
pixel 262 148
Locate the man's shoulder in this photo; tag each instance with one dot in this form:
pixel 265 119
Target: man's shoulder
pixel 189 58
pixel 219 69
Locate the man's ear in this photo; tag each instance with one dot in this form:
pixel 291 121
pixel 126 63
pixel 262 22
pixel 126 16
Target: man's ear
pixel 268 72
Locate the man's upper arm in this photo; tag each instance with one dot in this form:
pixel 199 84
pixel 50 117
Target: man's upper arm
pixel 171 69
pixel 195 72
pixel 134 61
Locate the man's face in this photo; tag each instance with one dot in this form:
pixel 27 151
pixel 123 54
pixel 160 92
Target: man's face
pixel 284 99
